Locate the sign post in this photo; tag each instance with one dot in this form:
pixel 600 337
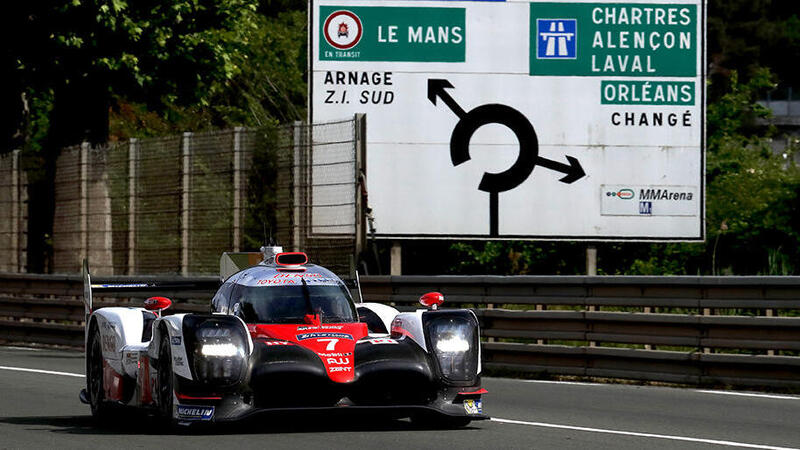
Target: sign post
pixel 521 119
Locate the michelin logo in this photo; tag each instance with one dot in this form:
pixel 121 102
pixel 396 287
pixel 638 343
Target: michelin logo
pixel 557 39
pixel 186 412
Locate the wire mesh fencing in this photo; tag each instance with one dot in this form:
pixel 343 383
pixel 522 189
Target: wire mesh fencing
pixel 322 192
pixel 174 204
pixel 13 213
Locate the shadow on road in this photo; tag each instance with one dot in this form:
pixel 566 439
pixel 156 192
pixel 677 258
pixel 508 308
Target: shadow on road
pixel 139 424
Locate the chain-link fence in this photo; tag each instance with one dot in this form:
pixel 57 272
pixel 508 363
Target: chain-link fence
pixel 174 204
pixel 325 200
pixel 13 213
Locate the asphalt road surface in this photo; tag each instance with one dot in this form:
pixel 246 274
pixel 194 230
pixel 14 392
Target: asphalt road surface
pixel 39 408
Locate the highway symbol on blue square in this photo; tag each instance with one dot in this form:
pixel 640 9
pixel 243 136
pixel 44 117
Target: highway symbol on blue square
pixel 556 38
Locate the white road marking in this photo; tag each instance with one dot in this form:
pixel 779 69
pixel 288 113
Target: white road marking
pixel 751 394
pixel 645 435
pixel 11 347
pixel 48 372
pixel 574 383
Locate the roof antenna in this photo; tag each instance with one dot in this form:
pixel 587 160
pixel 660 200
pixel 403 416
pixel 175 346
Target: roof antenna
pixel 270 248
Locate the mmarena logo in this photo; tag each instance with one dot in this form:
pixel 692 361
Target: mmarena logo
pixel 622 194
pixel 342 29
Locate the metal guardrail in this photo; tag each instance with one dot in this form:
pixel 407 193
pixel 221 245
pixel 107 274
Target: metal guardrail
pixel 696 330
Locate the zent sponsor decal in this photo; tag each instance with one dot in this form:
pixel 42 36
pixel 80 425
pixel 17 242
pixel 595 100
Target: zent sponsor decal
pixel 195 412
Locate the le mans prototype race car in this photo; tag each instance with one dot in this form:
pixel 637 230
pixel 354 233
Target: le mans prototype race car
pixel 283 335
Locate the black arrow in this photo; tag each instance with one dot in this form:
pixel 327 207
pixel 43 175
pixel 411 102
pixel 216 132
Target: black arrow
pixel 436 88
pixel 573 170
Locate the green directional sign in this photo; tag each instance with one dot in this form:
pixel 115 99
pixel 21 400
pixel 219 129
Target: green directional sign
pixel 376 33
pixel 613 39
pixel 640 92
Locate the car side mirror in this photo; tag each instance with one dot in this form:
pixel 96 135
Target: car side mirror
pixel 157 304
pixel 432 300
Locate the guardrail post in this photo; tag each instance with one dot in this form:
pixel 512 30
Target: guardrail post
pixel 770 313
pixel 648 310
pixel 589 294
pixel 540 307
pixel 490 306
pixel 707 312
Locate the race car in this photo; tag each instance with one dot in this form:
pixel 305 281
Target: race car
pixel 282 335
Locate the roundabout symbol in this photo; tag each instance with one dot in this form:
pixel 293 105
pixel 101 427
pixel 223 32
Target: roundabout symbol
pixel 528 157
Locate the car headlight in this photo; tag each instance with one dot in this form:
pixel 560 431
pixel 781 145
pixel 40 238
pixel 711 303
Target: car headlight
pixel 453 338
pixel 220 347
pixel 223 350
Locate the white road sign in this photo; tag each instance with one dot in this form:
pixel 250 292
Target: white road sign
pixel 521 119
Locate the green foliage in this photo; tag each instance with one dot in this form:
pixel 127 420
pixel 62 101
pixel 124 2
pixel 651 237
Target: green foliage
pixel 261 215
pixel 266 86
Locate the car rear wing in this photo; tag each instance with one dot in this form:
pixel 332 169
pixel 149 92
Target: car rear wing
pixel 232 262
pixel 141 287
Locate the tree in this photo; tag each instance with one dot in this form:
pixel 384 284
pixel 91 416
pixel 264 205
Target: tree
pixel 69 59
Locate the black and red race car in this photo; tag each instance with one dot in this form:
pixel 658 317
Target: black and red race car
pixel 284 335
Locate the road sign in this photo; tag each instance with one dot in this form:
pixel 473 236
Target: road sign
pixel 521 120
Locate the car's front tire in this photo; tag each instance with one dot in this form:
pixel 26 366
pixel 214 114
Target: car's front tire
pixel 165 377
pixel 94 375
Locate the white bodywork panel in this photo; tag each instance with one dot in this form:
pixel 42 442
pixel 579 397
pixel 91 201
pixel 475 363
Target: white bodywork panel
pixel 385 312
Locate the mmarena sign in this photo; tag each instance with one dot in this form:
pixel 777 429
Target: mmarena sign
pixel 521 119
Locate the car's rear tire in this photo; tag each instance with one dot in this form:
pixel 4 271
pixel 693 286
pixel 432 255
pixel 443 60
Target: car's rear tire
pixel 94 376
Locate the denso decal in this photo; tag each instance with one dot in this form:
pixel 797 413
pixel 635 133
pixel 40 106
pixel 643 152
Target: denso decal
pixel 195 412
pixel 304 336
pixel 382 341
pixel 277 343
pixel 323 327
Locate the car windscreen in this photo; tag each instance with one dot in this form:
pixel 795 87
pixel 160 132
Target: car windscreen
pixel 288 304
